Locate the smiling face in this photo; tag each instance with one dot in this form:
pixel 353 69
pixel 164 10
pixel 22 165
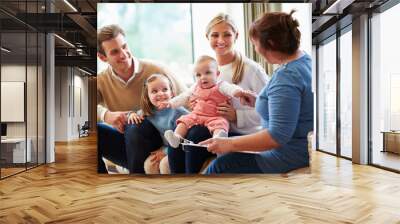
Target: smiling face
pixel 159 90
pixel 206 73
pixel 117 54
pixel 222 38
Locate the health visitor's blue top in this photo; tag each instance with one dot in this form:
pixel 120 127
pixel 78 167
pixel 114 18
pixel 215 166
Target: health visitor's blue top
pixel 285 106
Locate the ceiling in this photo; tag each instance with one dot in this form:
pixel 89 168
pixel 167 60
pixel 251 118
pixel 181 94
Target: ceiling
pixel 332 15
pixel 75 21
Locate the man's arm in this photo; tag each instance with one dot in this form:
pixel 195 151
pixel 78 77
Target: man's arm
pixel 116 119
pixel 101 112
pixel 101 109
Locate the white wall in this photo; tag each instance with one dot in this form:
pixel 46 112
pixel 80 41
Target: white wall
pixel 16 73
pixel 69 85
pixel 33 127
pixel 80 118
pixel 61 103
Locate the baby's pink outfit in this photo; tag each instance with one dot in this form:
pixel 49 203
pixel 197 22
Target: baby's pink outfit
pixel 205 110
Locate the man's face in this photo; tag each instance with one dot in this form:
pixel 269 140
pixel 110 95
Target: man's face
pixel 117 53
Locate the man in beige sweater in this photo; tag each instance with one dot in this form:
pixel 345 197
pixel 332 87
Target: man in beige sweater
pixel 119 90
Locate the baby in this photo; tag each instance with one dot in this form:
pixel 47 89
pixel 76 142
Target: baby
pixel 207 94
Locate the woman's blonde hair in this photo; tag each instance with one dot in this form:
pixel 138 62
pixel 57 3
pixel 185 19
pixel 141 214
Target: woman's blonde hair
pixel 145 103
pixel 238 63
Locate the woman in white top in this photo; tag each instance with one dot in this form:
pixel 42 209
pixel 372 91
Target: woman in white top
pixel 235 68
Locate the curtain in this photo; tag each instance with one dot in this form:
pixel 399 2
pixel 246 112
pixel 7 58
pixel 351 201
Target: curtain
pixel 92 100
pixel 253 11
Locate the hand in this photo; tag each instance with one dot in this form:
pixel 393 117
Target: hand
pixel 218 145
pixel 158 155
pixel 163 105
pixel 227 111
pixel 192 103
pixel 246 97
pixel 134 118
pixel 116 119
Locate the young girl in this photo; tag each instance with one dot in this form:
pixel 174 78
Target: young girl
pixel 208 94
pixel 157 90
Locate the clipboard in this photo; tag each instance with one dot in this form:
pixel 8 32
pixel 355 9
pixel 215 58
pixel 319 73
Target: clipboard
pixel 193 145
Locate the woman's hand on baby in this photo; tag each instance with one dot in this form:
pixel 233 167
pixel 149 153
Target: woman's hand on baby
pixel 227 111
pixel 134 118
pixel 163 105
pixel 246 97
pixel 218 145
pixel 192 103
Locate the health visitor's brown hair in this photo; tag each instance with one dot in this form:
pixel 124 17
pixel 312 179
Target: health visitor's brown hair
pixel 277 31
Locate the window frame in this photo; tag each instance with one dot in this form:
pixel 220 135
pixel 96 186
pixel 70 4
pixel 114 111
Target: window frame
pixel 333 37
pixel 379 10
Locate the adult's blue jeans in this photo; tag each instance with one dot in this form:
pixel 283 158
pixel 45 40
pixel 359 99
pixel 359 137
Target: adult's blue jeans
pixel 271 162
pixel 235 162
pixel 130 149
pixel 110 145
pixel 191 160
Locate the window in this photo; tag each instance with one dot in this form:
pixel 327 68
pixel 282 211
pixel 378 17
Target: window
pixel 327 96
pixel 385 85
pixel 394 101
pixel 346 94
pixel 163 38
pixel 175 37
pixel 22 74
